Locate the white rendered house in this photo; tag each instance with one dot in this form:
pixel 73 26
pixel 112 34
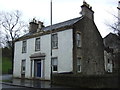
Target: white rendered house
pixel 76 44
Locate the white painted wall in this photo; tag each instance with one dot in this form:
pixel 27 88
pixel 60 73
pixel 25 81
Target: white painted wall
pixel 19 56
pixel 17 59
pixel 45 48
pixel 64 53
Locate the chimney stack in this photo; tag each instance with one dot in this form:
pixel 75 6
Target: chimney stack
pixel 40 26
pixel 87 11
pixel 35 26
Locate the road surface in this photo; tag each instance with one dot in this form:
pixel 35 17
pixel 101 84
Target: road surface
pixel 9 86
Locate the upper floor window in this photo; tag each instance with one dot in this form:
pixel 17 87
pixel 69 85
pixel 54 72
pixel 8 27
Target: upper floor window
pixel 37 44
pixel 54 40
pixel 54 64
pixel 79 64
pixel 24 46
pixel 78 41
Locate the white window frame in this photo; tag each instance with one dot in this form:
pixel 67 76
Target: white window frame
pixel 54 40
pixel 24 46
pixel 37 44
pixel 54 64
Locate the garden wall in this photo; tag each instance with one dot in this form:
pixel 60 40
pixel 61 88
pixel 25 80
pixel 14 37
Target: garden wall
pixel 101 81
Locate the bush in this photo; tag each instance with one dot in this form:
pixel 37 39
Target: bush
pixel 6 65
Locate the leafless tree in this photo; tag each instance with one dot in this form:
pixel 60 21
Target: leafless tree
pixel 115 26
pixel 12 27
pixel 2 43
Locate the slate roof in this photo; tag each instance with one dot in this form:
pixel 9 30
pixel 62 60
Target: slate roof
pixel 56 26
pixel 112 41
pixel 63 24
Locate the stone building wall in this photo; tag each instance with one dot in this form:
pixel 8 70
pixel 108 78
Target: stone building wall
pixel 92 49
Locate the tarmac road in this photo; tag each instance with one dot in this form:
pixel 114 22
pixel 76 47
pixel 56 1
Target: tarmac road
pixel 19 84
pixel 12 87
pixel 9 86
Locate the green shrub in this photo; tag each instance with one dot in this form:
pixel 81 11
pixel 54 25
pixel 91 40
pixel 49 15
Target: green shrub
pixel 6 65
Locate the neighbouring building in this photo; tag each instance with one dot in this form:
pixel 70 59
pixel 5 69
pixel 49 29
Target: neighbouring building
pixel 77 47
pixel 112 52
pixel 112 49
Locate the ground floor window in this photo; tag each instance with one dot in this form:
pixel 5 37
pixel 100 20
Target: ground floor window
pixel 23 64
pixel 79 64
pixel 109 65
pixel 54 64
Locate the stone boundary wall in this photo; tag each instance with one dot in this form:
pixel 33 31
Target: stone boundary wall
pixel 103 81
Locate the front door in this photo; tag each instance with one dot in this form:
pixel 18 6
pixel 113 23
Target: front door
pixel 38 69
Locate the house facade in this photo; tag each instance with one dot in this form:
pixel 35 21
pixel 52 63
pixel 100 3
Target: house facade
pixel 76 44
pixel 36 61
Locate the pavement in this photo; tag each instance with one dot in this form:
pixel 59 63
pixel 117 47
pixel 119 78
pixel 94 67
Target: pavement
pixel 27 82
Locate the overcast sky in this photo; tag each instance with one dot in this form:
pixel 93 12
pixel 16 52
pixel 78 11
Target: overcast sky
pixel 63 10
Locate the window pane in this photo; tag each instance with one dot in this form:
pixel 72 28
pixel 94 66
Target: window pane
pixel 24 46
pixel 23 62
pixel 108 60
pixel 78 67
pixel 54 61
pixel 55 68
pixel 54 41
pixel 79 64
pixel 78 36
pixel 23 66
pixel 78 61
pixel 37 44
pixel 54 64
pixel 23 69
pixel 78 41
